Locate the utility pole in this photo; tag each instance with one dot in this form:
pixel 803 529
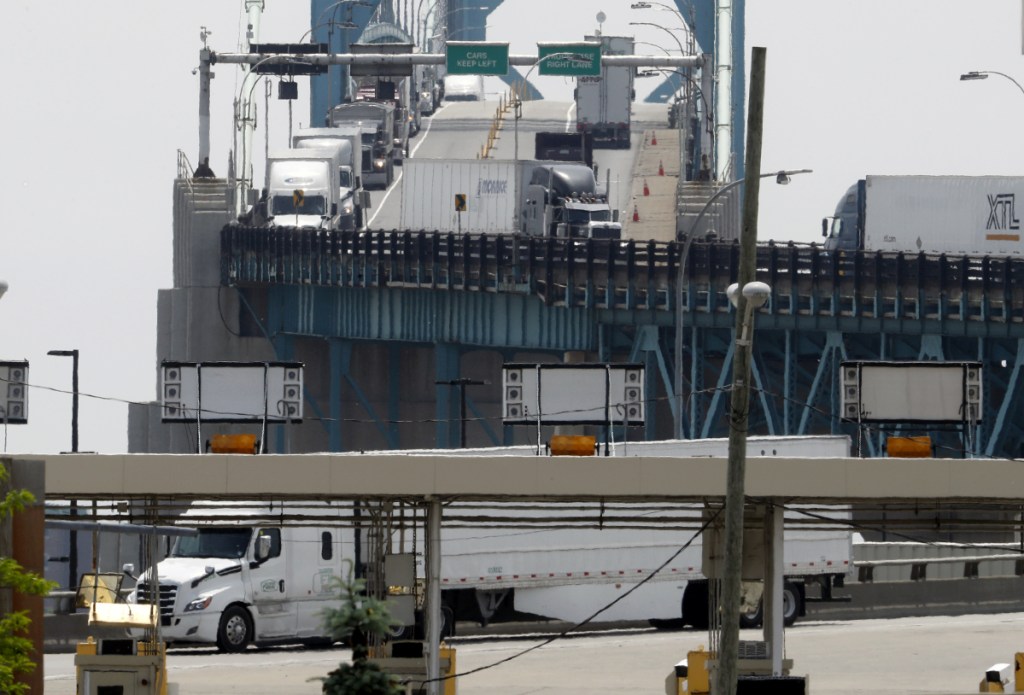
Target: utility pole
pixel 739 410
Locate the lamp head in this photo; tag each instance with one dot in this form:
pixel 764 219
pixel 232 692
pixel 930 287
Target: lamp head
pixel 756 293
pixel 62 353
pixel 732 292
pixel 3 287
pixel 782 178
pixel 973 75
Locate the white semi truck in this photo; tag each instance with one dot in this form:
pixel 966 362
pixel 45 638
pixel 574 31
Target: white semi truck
pixel 963 215
pixel 302 188
pixel 250 577
pixel 377 120
pixel 245 579
pixel 604 102
pixel 348 141
pixel 505 197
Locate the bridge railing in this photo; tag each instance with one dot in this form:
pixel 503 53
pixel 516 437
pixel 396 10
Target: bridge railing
pixel 631 274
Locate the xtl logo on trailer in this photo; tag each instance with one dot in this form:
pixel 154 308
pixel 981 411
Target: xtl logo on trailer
pixel 1001 212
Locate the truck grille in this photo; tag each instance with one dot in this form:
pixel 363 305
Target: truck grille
pixel 167 595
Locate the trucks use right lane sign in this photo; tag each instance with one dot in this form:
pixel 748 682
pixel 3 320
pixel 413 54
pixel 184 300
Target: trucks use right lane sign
pixel 577 59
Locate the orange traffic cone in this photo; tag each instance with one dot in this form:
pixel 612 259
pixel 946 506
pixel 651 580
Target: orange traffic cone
pixel 661 168
pixel 636 214
pixel 654 137
pixel 647 191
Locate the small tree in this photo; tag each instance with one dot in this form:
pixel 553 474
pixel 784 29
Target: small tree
pixel 359 618
pixel 15 648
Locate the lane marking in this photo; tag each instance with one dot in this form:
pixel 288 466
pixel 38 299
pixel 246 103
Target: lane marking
pixel 394 184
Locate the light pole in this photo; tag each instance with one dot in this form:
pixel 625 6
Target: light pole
pixel 781 178
pixel 72 535
pixel 675 38
pixel 983 75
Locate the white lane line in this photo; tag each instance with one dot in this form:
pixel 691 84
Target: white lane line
pixel 394 185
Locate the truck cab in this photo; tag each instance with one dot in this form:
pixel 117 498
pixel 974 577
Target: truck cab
pixel 242 581
pixel 844 231
pixel 562 200
pixel 302 188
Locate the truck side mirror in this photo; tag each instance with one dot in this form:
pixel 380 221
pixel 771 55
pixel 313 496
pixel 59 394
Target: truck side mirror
pixel 263 543
pixel 824 226
pixel 615 215
pixel 334 209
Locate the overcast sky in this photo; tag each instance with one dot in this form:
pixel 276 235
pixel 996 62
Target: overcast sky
pixel 102 97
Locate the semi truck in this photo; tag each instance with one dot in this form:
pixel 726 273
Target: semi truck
pixel 261 574
pixel 565 147
pixel 604 102
pixel 963 215
pixel 245 579
pixel 302 188
pixel 377 120
pixel 505 197
pixel 349 143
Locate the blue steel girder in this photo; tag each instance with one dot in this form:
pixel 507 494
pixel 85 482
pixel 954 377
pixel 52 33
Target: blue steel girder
pixel 329 24
pixel 510 295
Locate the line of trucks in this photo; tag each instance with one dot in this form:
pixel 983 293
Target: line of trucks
pixel 253 579
pixel 957 215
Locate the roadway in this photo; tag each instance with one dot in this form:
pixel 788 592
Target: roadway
pixel 934 655
pixel 458 130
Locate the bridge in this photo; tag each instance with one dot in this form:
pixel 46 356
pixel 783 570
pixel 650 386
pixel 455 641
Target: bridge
pixel 386 318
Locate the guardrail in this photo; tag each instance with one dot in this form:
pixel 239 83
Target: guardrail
pixel 895 562
pixel 633 274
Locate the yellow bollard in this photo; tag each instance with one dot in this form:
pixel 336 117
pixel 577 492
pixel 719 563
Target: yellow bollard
pixel 1018 672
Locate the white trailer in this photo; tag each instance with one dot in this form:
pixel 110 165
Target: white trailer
pixel 964 215
pixel 562 570
pixel 492 189
pixel 604 102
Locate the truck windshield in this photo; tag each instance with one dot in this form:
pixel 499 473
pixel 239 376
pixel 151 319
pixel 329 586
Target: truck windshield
pixel 214 542
pixel 285 205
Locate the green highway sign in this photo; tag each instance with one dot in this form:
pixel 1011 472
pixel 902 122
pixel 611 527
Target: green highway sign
pixel 476 58
pixel 577 59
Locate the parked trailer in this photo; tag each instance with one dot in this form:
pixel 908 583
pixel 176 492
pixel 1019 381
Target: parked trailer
pixel 500 573
pixel 963 215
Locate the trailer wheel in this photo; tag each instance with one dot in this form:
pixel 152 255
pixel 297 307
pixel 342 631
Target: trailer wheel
pixel 447 622
pixel 235 630
pixel 792 599
pixel 753 618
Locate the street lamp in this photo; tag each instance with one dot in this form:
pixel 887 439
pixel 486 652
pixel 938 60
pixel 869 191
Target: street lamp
pixel 675 38
pixel 781 178
pixel 517 110
pixel 72 535
pixel 983 75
